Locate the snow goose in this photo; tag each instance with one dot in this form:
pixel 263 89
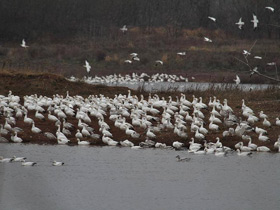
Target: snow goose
pixel 237 80
pixel 35 129
pixel 266 123
pixel 244 148
pixel 262 137
pixel 240 23
pixel 124 29
pixel 277 143
pixel 16 139
pixel 49 135
pixel 177 145
pixel 150 134
pixel 207 39
pixel 243 153
pixel 212 18
pixel 255 21
pixel 198 135
pixel 39 115
pixel 27 119
pixel 87 66
pixel 52 117
pixel 23 44
pixel 78 134
pixel 6 160
pixel 160 145
pixel 221 153
pixel 262 115
pixel 263 149
pixel 260 130
pixel 213 127
pixel 18 159
pixel 82 142
pixel 126 143
pixel 251 145
pixel 56 163
pixel 270 8
pixel 277 121
pixel 23 163
pixel 182 159
pixel 159 62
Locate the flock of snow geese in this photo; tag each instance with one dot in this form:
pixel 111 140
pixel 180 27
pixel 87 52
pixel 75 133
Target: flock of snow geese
pixel 134 78
pixel 137 117
pixel 134 117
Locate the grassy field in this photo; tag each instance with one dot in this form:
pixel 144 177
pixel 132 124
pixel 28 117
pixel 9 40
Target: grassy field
pixel 212 62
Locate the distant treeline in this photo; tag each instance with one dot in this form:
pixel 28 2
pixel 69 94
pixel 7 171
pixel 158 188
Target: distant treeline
pixel 33 19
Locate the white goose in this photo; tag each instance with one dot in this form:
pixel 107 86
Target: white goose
pixel 35 129
pixel 263 138
pixel 263 149
pixel 56 163
pixel 251 145
pixel 82 142
pixel 266 123
pixel 23 163
pixel 177 145
pixel 243 153
pixel 6 160
pixel 16 139
pixel 277 121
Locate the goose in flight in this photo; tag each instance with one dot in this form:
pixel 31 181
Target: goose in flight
pixel 270 8
pixel 246 53
pixel 159 61
pixel 271 64
pixel 240 23
pixel 207 39
pixel 237 80
pixel 124 29
pixel 255 21
pixel 23 44
pixel 258 57
pixel 87 66
pixel 128 61
pixel 212 18
pixel 181 53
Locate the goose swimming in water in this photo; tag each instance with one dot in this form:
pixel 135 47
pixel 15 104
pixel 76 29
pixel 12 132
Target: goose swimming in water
pixel 184 159
pixel 6 160
pixel 23 163
pixel 243 153
pixel 263 149
pixel 56 163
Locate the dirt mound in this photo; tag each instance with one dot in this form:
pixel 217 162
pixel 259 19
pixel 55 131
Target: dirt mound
pixel 49 84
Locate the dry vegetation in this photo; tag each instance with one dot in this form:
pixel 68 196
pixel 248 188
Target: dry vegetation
pixel 213 62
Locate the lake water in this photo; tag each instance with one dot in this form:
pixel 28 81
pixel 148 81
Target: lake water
pixel 113 178
pixel 184 86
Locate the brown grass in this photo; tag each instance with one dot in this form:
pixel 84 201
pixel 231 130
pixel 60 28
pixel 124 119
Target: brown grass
pixel 106 56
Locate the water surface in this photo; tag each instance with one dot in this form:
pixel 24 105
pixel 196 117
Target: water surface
pixel 122 178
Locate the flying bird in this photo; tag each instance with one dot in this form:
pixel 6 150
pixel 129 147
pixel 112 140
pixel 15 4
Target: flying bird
pixel 124 29
pixel 128 61
pixel 23 44
pixel 237 80
pixel 212 18
pixel 258 57
pixel 255 21
pixel 255 70
pixel 181 53
pixel 271 64
pixel 159 61
pixel 246 53
pixel 240 23
pixel 207 39
pixel 270 8
pixel 87 66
